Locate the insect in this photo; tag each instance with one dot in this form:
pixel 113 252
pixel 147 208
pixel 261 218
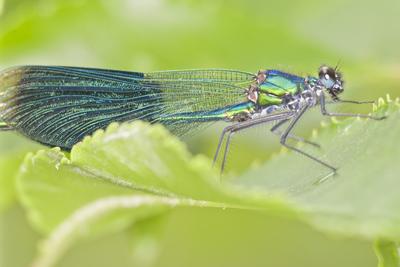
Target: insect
pixel 58 106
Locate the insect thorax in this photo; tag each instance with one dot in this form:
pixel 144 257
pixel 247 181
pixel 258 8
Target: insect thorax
pixel 274 91
pixel 281 91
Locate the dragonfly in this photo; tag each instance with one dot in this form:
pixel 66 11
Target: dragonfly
pixel 58 106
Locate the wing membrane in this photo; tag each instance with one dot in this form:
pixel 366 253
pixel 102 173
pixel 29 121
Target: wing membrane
pixel 58 106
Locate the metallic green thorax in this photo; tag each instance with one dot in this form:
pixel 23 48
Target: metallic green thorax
pixel 273 85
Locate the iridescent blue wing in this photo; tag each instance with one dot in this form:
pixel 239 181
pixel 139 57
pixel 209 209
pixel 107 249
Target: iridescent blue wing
pixel 58 106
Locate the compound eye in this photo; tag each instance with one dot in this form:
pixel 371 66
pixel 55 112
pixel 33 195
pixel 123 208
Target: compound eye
pixel 327 73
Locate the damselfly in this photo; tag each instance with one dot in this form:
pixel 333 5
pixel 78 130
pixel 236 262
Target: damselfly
pixel 58 106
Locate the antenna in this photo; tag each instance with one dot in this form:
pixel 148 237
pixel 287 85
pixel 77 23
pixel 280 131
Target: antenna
pixel 337 67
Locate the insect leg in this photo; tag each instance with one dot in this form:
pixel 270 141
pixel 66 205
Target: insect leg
pixel 228 142
pixel 221 139
pixel 326 113
pixel 285 136
pixel 230 130
pixel 275 130
pixel 355 101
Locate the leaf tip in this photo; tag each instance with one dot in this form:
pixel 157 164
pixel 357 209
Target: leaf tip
pixel 397 101
pixel 381 102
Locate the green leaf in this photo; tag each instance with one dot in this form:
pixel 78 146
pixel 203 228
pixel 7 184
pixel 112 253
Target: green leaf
pixel 131 159
pixel 110 169
pixel 150 171
pixel 82 222
pixel 12 151
pixel 127 159
pixel 18 242
pixel 51 188
pixel 193 232
pixel 387 253
pixel 362 198
pixel 146 158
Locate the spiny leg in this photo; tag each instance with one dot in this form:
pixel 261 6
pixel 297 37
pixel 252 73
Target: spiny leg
pixel 275 130
pixel 227 145
pixel 235 128
pixel 355 101
pixel 221 139
pixel 326 113
pixel 277 116
pixel 342 101
pixel 286 133
pixel 227 130
pixel 244 125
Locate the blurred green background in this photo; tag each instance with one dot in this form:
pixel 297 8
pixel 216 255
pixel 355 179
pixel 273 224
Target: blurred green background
pixel 149 35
